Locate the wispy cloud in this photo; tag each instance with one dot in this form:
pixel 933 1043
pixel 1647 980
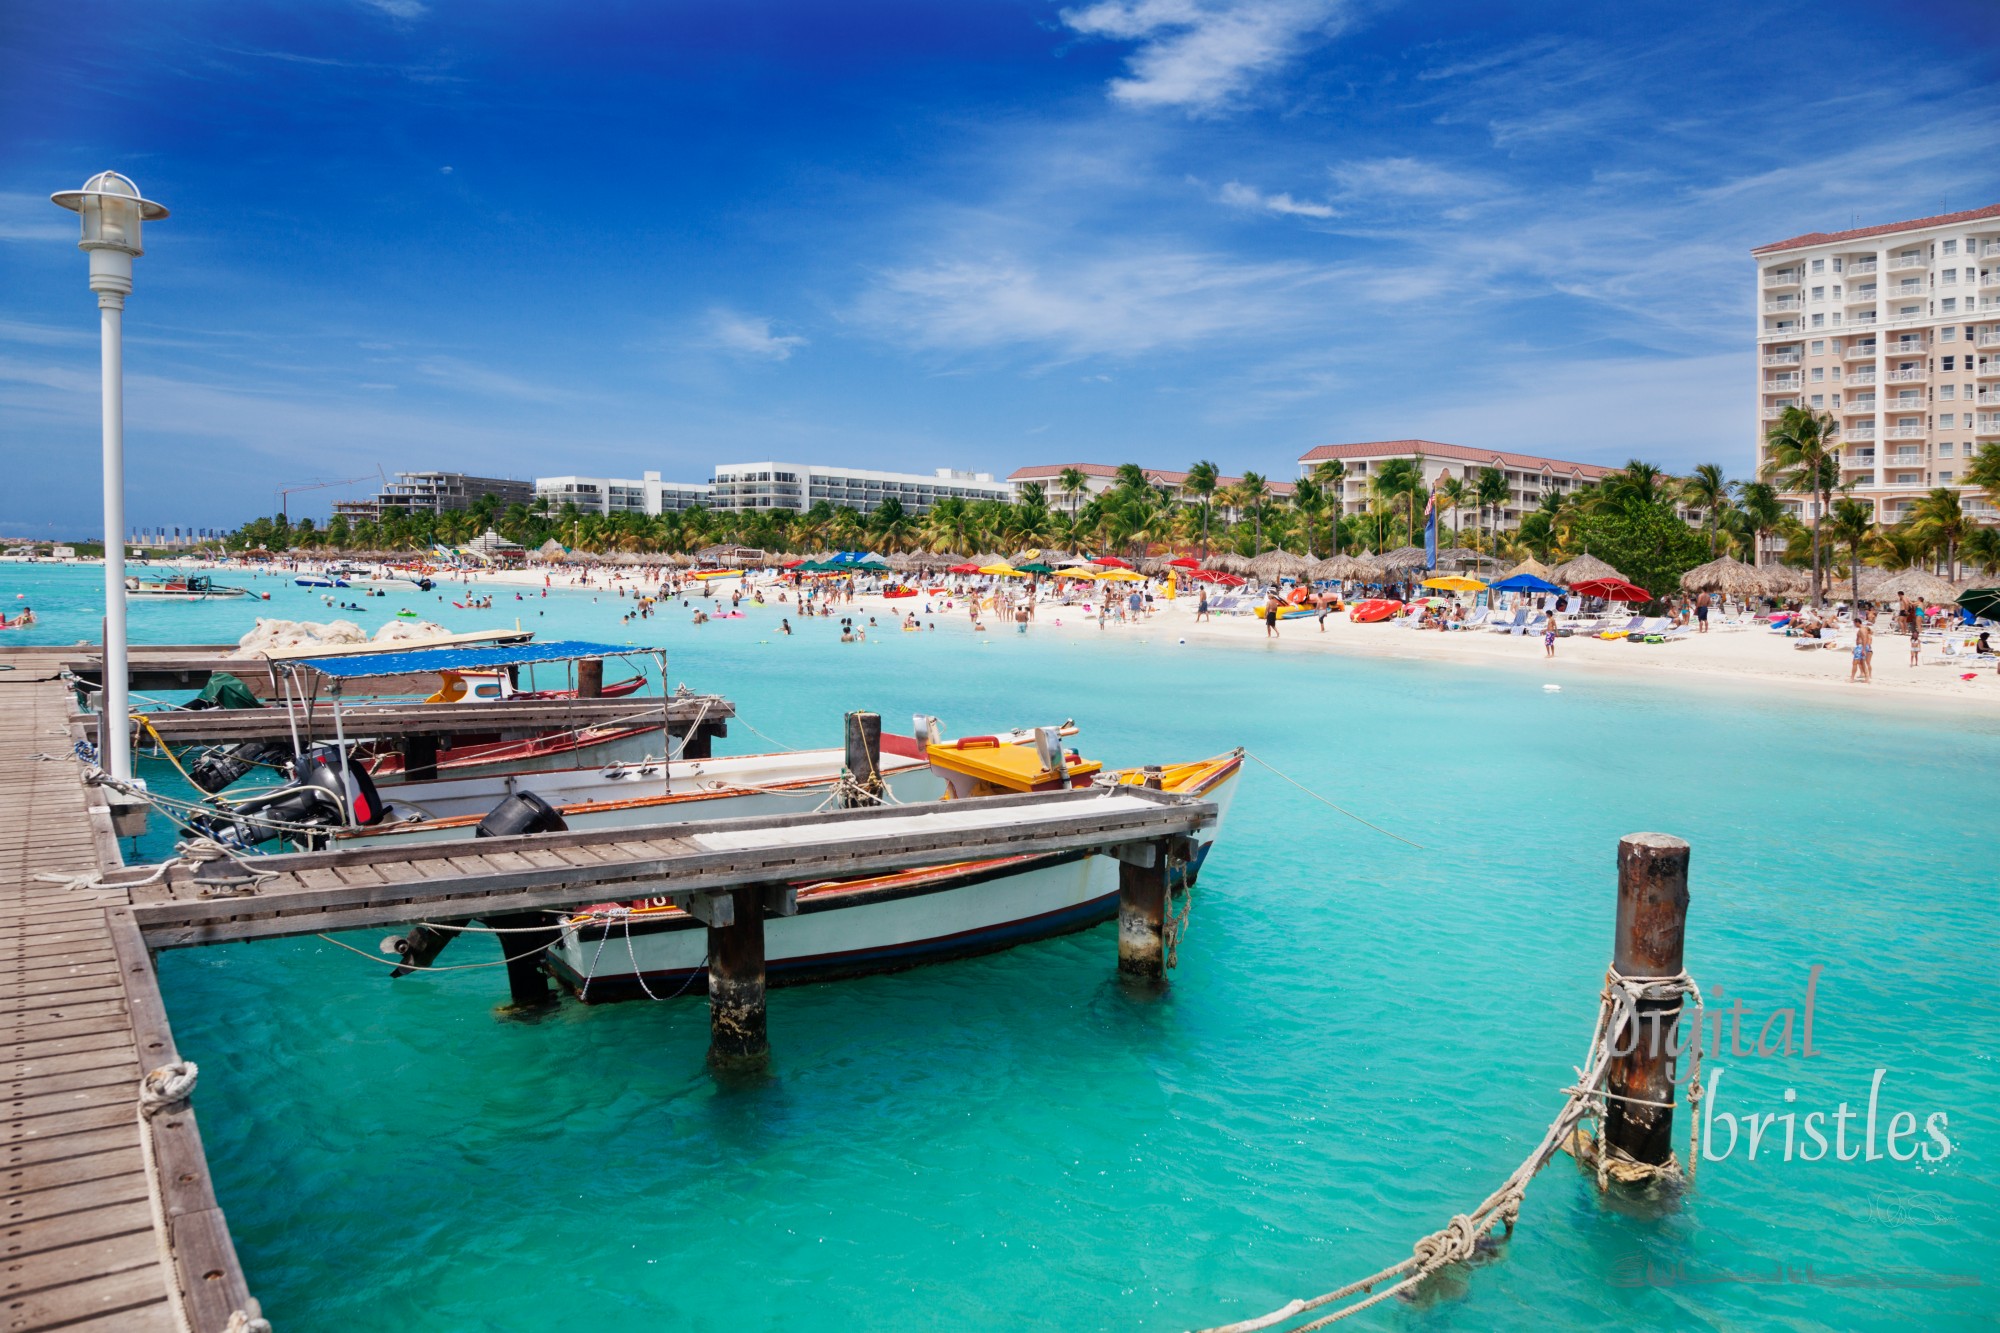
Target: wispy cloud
pixel 1203 55
pixel 1238 195
pixel 747 335
pixel 31 217
pixel 406 10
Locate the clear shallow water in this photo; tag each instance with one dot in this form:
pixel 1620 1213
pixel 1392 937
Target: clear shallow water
pixel 1361 1040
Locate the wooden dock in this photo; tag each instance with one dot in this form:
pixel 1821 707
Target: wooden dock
pixel 113 1222
pixel 81 1018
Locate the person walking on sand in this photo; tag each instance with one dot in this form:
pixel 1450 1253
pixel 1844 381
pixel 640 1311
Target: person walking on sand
pixel 1549 637
pixel 1916 636
pixel 1201 608
pixel 1864 652
pixel 1271 614
pixel 1701 605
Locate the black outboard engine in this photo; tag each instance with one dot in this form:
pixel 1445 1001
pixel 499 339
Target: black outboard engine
pixel 221 765
pixel 523 812
pixel 424 584
pixel 320 798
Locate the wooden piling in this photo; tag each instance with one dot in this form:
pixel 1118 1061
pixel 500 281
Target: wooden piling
pixel 420 758
pixel 526 937
pixel 1142 911
pixel 1651 933
pixel 590 678
pixel 864 757
pixel 736 1030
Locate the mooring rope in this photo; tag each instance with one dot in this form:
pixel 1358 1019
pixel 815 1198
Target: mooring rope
pixel 1322 800
pixel 1460 1239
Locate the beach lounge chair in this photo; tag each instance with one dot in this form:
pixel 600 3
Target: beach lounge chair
pixel 1633 626
pixel 1509 624
pixel 1473 621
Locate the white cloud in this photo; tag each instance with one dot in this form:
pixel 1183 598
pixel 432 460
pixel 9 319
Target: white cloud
pixel 746 335
pixel 399 9
pixel 1238 195
pixel 1202 55
pixel 1405 177
pixel 1121 304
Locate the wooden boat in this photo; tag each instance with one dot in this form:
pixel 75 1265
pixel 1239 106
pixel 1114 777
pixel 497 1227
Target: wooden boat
pixel 844 928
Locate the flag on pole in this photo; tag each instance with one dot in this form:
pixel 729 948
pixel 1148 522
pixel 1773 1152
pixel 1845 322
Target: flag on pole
pixel 1431 532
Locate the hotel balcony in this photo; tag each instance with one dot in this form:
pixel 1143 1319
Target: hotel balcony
pixel 1860 267
pixel 1790 358
pixel 1990 248
pixel 1782 303
pixel 1862 351
pixel 1860 407
pixel 1860 430
pixel 1905 433
pixel 1990 278
pixel 1861 320
pixel 1988 368
pixel 1783 277
pixel 1989 398
pixel 1863 459
pixel 1909 291
pixel 1988 425
pixel 1987 338
pixel 1913 259
pixel 1783 384
pixel 1861 296
pixel 1908 347
pixel 1914 375
pixel 1866 375
pixel 1772 411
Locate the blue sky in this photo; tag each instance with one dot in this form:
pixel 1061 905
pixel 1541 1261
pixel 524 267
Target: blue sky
pixel 599 238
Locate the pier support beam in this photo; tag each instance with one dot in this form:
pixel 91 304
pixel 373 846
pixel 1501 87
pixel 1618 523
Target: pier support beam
pixel 1651 932
pixel 864 758
pixel 528 937
pixel 1142 911
pixel 420 758
pixel 736 1033
pixel 590 678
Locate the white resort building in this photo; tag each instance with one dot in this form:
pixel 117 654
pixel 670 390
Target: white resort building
pixel 1895 331
pixel 800 486
pixel 621 495
pixel 1529 476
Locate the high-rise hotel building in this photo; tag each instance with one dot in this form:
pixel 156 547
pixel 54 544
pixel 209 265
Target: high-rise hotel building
pixel 1895 331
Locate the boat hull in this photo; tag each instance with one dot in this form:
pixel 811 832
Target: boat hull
pixel 854 928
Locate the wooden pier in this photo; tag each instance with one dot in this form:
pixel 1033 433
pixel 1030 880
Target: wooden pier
pixel 113 1221
pixel 81 1019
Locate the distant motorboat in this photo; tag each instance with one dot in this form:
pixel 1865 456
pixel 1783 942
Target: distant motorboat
pixel 309 581
pixel 192 587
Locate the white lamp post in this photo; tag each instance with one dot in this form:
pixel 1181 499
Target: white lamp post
pixel 112 210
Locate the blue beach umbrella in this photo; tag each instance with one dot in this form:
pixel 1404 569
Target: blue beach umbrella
pixel 1524 583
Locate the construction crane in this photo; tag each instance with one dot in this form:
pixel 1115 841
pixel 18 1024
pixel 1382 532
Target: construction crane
pixel 285 493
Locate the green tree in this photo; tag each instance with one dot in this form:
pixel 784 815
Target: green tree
pixel 1851 524
pixel 1649 543
pixel 1489 490
pixel 1804 459
pixel 1708 490
pixel 1251 494
pixel 1939 519
pixel 1073 483
pixel 1330 475
pixel 1985 472
pixel 1394 483
pixel 1202 480
pixel 1760 512
pixel 1310 501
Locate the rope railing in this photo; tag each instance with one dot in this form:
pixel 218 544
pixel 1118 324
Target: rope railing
pixel 1461 1238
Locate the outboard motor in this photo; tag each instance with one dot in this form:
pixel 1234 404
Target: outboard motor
pixel 321 767
pixel 319 798
pixel 523 812
pixel 221 765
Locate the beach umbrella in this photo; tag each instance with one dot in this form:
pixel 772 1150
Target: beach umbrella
pixel 1519 582
pixel 1585 566
pixel 1185 562
pixel 1726 575
pixel 963 569
pixel 1455 583
pixel 1982 602
pixel 1920 585
pixel 1121 576
pixel 1035 567
pixel 1612 590
pixel 1113 561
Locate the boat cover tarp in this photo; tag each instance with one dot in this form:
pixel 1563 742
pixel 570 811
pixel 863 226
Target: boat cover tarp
pixel 463 659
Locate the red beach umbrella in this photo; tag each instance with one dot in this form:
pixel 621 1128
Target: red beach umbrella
pixel 963 569
pixel 1186 562
pixel 1111 560
pixel 1612 590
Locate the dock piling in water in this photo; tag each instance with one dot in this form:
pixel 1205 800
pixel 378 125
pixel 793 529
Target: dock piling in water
pixel 737 1037
pixel 1142 911
pixel 523 940
pixel 590 678
pixel 1650 937
pixel 864 758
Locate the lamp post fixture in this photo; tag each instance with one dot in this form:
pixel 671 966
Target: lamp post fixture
pixel 112 209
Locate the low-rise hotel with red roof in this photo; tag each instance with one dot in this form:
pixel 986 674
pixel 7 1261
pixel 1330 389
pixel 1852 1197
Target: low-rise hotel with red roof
pixel 1529 476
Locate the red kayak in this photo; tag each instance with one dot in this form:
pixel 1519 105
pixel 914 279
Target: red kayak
pixel 1375 608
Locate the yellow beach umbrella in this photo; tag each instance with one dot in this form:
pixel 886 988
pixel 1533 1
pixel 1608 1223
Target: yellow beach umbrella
pixel 1077 574
pixel 1121 576
pixel 1004 570
pixel 1455 583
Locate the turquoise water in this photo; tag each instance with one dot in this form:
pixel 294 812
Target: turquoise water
pixel 1361 1039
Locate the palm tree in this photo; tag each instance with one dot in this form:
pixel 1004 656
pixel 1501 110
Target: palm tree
pixel 1940 519
pixel 1395 483
pixel 1805 460
pixel 1310 501
pixel 1760 512
pixel 1637 483
pixel 1202 480
pixel 1850 524
pixel 1452 495
pixel 1707 489
pixel 1251 493
pixel 1489 490
pixel 1982 548
pixel 1985 472
pixel 1072 483
pixel 1331 478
